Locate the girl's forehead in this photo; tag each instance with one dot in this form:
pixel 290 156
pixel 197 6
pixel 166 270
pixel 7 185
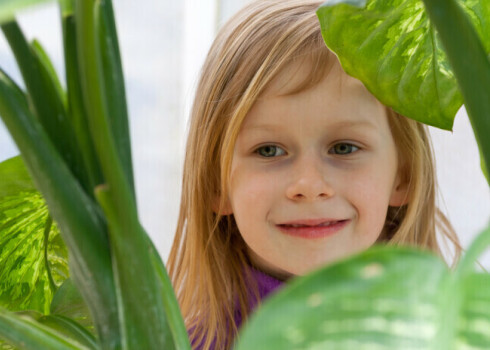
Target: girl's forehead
pixel 297 74
pixel 337 100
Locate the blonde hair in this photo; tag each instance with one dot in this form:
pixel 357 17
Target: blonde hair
pixel 208 258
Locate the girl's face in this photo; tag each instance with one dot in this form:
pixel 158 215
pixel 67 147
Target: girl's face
pixel 312 173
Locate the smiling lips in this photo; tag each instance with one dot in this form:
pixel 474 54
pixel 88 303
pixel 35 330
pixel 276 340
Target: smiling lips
pixel 312 229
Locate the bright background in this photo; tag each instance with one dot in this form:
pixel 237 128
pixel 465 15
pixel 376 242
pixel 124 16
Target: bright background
pixel 163 45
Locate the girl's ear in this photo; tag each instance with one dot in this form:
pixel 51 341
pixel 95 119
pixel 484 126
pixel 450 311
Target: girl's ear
pixel 222 208
pixel 399 193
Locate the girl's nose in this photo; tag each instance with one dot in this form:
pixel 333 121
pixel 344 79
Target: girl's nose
pixel 309 181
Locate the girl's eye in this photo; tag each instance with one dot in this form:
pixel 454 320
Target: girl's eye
pixel 269 151
pixel 343 149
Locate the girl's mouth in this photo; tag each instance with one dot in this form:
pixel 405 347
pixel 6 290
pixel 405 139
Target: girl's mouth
pixel 312 229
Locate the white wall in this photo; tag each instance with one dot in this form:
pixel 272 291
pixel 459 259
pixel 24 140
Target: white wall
pixel 163 45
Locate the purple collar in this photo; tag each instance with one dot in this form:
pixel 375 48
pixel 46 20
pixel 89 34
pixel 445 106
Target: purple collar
pixel 266 285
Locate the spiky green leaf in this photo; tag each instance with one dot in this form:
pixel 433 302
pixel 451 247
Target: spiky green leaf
pixel 25 332
pixel 76 108
pixel 46 97
pixel 70 329
pixel 82 229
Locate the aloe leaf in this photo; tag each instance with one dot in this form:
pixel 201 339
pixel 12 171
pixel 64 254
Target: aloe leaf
pixel 8 8
pixel 69 303
pixel 76 108
pixel 49 70
pixel 33 314
pixel 46 97
pixel 403 63
pixel 63 325
pixel 24 332
pixel 114 87
pixel 469 59
pixel 172 309
pixel 142 314
pixel 33 258
pixel 70 329
pixel 82 231
pixel 484 167
pixel 141 310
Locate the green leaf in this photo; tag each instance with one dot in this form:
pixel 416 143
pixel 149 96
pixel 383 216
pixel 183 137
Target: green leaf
pixel 76 108
pixel 384 298
pixel 470 62
pixel 48 71
pixel 381 299
pixel 46 96
pixel 15 177
pixel 114 87
pixel 69 303
pixel 70 329
pixel 141 310
pixel 172 309
pixel 8 8
pixel 33 258
pixel 142 313
pixel 24 332
pixel 33 314
pixel 403 63
pixel 484 168
pixel 82 229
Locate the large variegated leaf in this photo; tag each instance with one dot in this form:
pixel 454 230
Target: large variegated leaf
pixel 33 258
pixel 385 298
pixel 394 49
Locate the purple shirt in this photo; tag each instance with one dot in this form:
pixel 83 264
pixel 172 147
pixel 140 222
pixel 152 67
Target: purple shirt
pixel 266 285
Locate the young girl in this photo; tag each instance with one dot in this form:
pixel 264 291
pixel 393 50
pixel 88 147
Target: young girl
pixel 291 164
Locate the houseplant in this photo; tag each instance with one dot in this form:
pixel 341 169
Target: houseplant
pixel 132 304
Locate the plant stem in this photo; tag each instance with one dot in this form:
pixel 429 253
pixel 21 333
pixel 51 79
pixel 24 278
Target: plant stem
pixel 47 229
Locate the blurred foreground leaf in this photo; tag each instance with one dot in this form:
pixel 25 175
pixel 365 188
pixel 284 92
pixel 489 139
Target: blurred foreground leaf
pixel 385 298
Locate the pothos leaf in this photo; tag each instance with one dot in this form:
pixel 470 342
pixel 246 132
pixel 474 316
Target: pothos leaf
pixel 33 258
pixel 15 177
pixel 403 63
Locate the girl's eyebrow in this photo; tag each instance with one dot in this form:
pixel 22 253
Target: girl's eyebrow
pixel 341 124
pixel 265 127
pixel 362 123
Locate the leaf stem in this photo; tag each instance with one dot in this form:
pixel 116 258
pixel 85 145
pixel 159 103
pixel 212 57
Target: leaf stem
pixel 47 230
